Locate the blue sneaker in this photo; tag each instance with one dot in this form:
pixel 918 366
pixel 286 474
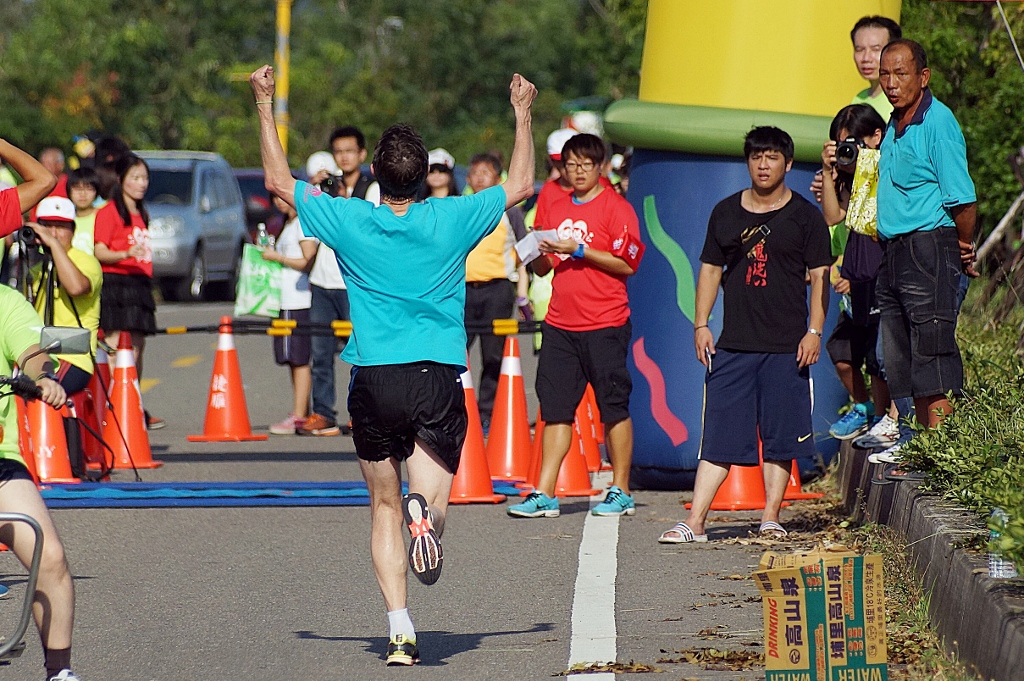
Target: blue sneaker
pixel 537 505
pixel 855 422
pixel 616 503
pixel 4 591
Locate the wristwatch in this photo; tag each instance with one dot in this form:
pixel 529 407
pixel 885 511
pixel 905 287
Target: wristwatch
pixel 815 332
pixel 50 375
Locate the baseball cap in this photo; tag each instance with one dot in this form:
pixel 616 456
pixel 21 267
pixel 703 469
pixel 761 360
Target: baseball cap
pixel 320 160
pixel 557 140
pixel 440 157
pixel 56 208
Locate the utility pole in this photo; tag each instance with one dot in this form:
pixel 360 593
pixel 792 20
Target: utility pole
pixel 282 58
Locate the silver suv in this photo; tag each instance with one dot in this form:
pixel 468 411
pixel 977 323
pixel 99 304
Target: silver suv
pixel 196 225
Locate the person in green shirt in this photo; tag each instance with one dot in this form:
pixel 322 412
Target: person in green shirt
pixel 54 602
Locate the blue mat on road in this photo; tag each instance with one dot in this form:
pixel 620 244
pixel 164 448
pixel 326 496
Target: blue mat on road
pixel 212 494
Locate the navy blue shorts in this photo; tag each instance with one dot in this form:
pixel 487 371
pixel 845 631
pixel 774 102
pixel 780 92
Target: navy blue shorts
pixel 746 393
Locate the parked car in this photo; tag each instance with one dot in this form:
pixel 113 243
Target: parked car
pixel 258 206
pixel 197 224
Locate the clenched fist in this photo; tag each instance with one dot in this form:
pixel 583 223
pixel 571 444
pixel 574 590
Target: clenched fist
pixel 262 82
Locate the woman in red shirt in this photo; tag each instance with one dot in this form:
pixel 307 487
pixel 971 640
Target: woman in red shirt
pixel 122 247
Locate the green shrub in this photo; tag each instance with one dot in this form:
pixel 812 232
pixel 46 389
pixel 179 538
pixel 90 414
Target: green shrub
pixel 977 456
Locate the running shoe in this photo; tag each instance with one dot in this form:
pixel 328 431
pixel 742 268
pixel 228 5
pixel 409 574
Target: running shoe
pixel 289 426
pixel 65 675
pixel 402 650
pixel 537 505
pixel 4 591
pixel 318 424
pixel 890 455
pixel 154 422
pixel 616 503
pixel 852 424
pixel 425 555
pixel 883 434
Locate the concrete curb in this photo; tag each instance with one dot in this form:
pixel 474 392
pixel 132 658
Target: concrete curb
pixel 980 620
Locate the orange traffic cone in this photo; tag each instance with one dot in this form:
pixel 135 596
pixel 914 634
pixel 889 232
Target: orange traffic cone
pixel 124 424
pixel 25 439
pixel 472 483
pixel 85 410
pixel 573 476
pixel 508 446
pixel 743 490
pixel 793 490
pixel 102 374
pixel 588 438
pixel 227 417
pixel 595 414
pixel 49 443
pixel 536 454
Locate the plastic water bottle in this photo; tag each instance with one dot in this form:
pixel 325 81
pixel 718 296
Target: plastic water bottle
pixel 262 238
pixel 999 567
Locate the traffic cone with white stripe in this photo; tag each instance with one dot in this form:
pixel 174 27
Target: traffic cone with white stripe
pixel 227 417
pixel 102 373
pixel 472 483
pixel 595 414
pixel 588 437
pixel 49 442
pixel 794 491
pixel 508 447
pixel 124 423
pixel 25 438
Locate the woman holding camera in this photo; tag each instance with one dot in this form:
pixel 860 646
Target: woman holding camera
pixel 122 247
pixel 850 160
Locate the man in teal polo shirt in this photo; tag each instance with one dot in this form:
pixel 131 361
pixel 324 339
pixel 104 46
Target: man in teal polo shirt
pixel 926 218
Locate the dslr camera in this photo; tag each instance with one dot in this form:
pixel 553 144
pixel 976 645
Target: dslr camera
pixel 847 151
pixel 332 185
pixel 28 236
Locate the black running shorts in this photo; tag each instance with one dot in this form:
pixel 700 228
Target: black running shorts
pixel 393 404
pixel 12 469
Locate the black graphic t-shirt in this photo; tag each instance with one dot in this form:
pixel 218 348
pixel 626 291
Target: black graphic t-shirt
pixel 766 257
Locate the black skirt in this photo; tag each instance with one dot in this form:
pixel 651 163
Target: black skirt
pixel 126 303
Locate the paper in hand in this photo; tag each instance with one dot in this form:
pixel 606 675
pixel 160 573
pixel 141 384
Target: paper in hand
pixel 528 247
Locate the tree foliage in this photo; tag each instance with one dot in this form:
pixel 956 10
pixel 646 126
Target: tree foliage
pixel 171 73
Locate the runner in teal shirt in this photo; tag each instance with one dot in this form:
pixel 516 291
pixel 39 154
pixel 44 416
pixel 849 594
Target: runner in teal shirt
pixel 408 300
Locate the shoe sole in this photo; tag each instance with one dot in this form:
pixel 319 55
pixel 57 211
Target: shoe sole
pixel 282 431
pixel 156 426
pixel 606 514
pixel 550 513
pixel 874 444
pixel 856 433
pixel 324 432
pixel 425 554
pixel 402 660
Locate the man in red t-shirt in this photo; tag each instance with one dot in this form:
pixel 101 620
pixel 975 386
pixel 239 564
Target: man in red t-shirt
pixel 38 181
pixel 587 329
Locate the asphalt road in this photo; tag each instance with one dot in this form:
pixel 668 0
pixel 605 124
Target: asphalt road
pixel 289 593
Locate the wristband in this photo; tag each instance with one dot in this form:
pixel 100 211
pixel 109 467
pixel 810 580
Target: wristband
pixel 522 300
pixel 266 101
pixel 702 326
pixel 50 375
pixel 579 252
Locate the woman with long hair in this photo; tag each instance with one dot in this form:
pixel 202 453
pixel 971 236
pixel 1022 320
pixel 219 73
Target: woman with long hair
pixel 122 247
pixel 440 180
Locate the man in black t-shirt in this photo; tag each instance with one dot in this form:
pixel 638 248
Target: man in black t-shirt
pixel 761 245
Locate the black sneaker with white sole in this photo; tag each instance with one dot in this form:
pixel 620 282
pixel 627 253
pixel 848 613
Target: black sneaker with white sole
pixel 425 555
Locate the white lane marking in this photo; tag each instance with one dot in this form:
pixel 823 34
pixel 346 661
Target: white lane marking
pixel 593 604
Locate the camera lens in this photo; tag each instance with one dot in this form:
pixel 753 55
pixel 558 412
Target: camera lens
pixel 28 235
pixel 846 152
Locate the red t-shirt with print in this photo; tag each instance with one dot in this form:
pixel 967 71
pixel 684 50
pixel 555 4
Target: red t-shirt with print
pixel 584 297
pixel 111 231
pixel 10 211
pixel 551 191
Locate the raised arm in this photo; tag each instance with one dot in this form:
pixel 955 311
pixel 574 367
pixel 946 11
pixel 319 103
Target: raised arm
pixel 521 170
pixel 278 176
pixel 38 180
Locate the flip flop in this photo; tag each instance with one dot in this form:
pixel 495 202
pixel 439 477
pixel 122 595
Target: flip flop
pixel 771 530
pixel 425 555
pixel 686 535
pixel 897 474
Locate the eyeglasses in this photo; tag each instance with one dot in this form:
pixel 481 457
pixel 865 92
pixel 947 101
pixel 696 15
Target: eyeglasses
pixel 573 166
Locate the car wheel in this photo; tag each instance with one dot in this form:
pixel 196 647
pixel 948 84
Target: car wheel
pixel 225 290
pixel 193 287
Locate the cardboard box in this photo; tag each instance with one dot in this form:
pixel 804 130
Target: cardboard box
pixel 824 616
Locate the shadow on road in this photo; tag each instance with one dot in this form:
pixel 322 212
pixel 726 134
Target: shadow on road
pixel 254 456
pixel 437 646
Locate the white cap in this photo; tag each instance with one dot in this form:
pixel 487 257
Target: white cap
pixel 557 140
pixel 587 121
pixel 320 160
pixel 441 157
pixel 56 208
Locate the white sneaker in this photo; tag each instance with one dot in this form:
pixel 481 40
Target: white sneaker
pixel 891 455
pixel 65 675
pixel 882 434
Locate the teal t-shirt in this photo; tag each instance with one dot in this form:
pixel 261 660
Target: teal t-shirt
pixel 922 172
pixel 406 275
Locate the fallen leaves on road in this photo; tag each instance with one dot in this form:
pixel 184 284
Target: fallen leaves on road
pixel 713 659
pixel 735 578
pixel 615 667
